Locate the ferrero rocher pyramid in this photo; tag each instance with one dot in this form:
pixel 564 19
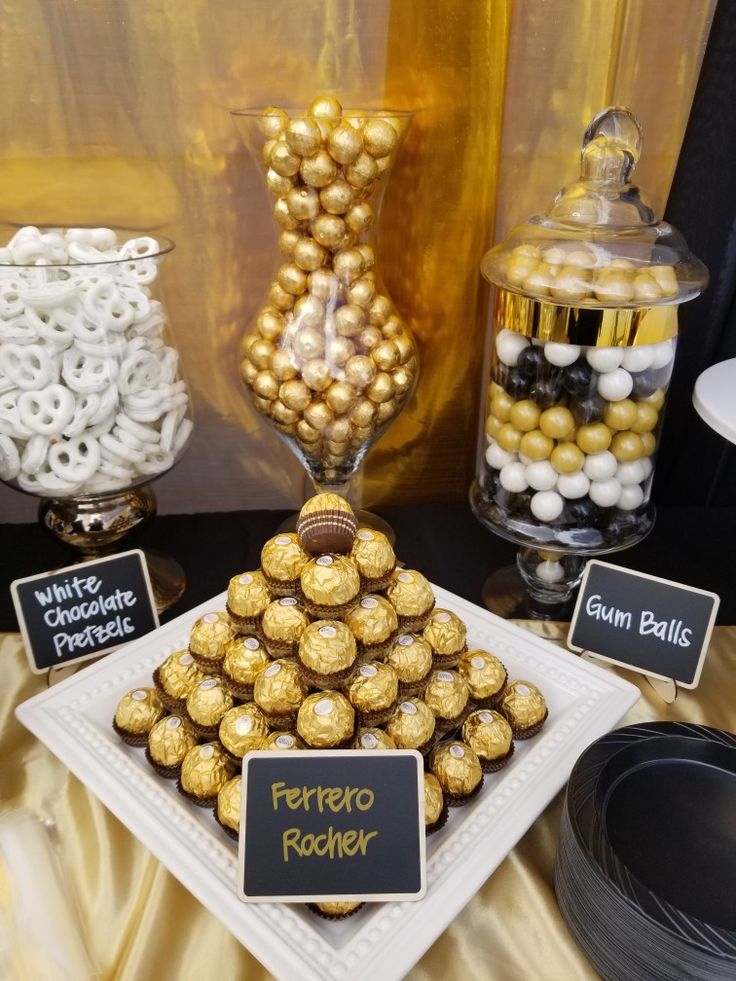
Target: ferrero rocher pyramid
pixel 330 644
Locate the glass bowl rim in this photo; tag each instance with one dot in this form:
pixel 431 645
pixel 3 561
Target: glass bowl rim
pixel 257 112
pixel 166 245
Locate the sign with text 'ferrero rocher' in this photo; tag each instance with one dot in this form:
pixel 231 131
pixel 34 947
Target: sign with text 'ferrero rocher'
pixel 321 825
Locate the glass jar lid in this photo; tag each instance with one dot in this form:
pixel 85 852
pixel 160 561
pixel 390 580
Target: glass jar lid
pixel 600 244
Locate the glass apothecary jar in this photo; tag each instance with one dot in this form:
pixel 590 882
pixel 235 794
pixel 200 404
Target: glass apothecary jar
pixel 581 356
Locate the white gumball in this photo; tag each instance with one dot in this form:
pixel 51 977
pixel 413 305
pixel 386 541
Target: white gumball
pixel 600 466
pixel 526 460
pixel 497 457
pixel 550 571
pixel 547 505
pixel 605 493
pixel 615 385
pixel 513 478
pixel 663 354
pixel 630 472
pixel 632 496
pixel 509 346
pixel 647 467
pixel 541 475
pixel 605 358
pixel 561 355
pixel 573 485
pixel 638 358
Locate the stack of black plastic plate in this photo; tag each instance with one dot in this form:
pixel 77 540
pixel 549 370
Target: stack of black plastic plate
pixel 646 864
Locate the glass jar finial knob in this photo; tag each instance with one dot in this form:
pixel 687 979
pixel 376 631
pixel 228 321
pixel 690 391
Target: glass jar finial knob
pixel 611 146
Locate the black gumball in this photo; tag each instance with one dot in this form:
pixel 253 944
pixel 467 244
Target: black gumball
pixel 531 362
pixel 520 505
pixel 578 378
pixel 622 523
pixel 583 513
pixel 500 373
pixel 548 391
pixel 516 385
pixel 646 383
pixel 587 410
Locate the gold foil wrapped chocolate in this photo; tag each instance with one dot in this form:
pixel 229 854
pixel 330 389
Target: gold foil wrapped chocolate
pixel 488 734
pixel 445 633
pixel 248 595
pixel 412 724
pixel 326 647
pixel 335 910
pixel 169 741
pixel 326 719
pixel 326 523
pixel 446 694
pixel 372 621
pixel 204 771
pixel 245 658
pixel 410 657
pixel 483 672
pixel 279 689
pixel 209 637
pixel 457 768
pixel 208 702
pixel 282 559
pixel 370 737
pixel 374 688
pixel 282 741
pixel 434 800
pixel 373 555
pixel 524 706
pixel 228 804
pixel 243 729
pixel 330 581
pixel 410 594
pixel 138 711
pixel 284 621
pixel 179 675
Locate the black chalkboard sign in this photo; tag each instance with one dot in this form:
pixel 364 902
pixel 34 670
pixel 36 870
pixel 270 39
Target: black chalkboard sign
pixel 655 626
pixel 84 610
pixel 332 825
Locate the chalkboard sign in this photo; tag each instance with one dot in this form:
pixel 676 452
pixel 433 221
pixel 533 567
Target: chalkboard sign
pixel 332 825
pixel 655 626
pixel 84 610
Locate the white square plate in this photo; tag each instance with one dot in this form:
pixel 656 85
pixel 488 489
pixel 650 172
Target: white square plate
pixel 383 939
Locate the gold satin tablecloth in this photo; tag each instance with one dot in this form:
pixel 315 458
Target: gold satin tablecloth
pixel 140 923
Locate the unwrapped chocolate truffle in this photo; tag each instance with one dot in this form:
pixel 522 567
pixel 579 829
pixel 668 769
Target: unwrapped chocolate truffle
pixel 278 692
pixel 326 523
pixel 329 586
pixel 136 715
pixel 373 692
pixel 175 679
pixel 169 741
pixel 524 707
pixel 245 658
pixel 327 654
pixel 486 677
pixel 204 771
pixel 445 633
pixel 208 640
pixel 206 705
pixel 458 770
pixel 243 729
pixel 282 625
pixel 326 720
pixel 489 735
pixel 411 596
pixel 247 598
pixel 282 559
pixel 374 625
pixel 412 725
pixel 375 559
pixel 411 658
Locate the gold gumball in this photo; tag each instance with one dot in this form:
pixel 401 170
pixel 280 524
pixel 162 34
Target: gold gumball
pixel 340 397
pixel 355 117
pixel 360 435
pixel 508 438
pixel 266 151
pixel 344 144
pixel 337 197
pixel 339 350
pixel 309 343
pixel 248 371
pixel 309 311
pixel 381 389
pixel 270 323
pixel 360 371
pixel 263 405
pixel 369 337
pixel 348 265
pixel 379 137
pixel 405 346
pixel 646 418
pixel 556 422
pixel 501 405
pixel 349 320
pixel 287 241
pixel 627 446
pixel 359 217
pixel 322 283
pixel 317 375
pixel 282 366
pixel 380 310
pixel 260 353
pixel 362 291
pixel 536 445
pixel 403 380
pixel 384 165
pixel 362 171
pixel 303 203
pixel 325 107
pixel 318 415
pixel 646 287
pixel 282 160
pixel 295 395
pixel 309 255
pixel 279 298
pixel 278 185
pixel 292 279
pixel 386 411
pixel 393 327
pixel 524 415
pixel 656 399
pixel 282 414
pixel 328 230
pixel 594 438
pixel 319 170
pixel 649 443
pixel 282 214
pixel 567 458
pixel 363 413
pixel 273 122
pixel 369 256
pixel 385 355
pixel 620 415
pixel 307 433
pixel 303 136
pixel 266 384
pixel 493 425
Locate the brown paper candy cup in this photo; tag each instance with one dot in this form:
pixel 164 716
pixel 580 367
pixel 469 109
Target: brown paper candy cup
pixel 238 689
pixel 244 625
pixel 208 665
pixel 199 801
pixel 440 822
pixel 205 732
pixel 372 720
pixel 493 766
pixel 530 730
pixel 328 682
pixel 131 738
pixel 321 612
pixel 457 800
pixel 378 584
pixel 280 588
pixel 174 705
pixel 281 648
pixel 168 772
pixel 415 624
pixel 283 723
pixel 314 908
pixel 448 660
pixel 230 832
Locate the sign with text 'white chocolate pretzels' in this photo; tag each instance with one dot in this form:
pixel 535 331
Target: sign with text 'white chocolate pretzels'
pixel 651 625
pixel 84 610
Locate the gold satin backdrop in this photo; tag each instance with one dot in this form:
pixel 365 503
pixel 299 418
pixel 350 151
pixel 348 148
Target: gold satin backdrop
pixel 115 112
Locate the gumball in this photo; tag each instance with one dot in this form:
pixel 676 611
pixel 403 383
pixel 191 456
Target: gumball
pixel 325 107
pixel 339 350
pixel 492 426
pixel 348 265
pixel 283 161
pixel 605 493
pixel 370 337
pixel 295 395
pixel 632 496
pixel 497 457
pixel 277 184
pixel 536 445
pixel 646 418
pixel 593 439
pixel 567 458
pixel 551 571
pixel 317 375
pixel 362 171
pixel 362 291
pixel 513 478
pixel 282 214
pixel 556 422
pixel 308 311
pixel 547 392
pixel 380 137
pixel 381 389
pixel 349 320
pixel 501 404
pixel 303 136
pixel 524 415
pixel 288 239
pixel 656 399
pixel 309 343
pixel 578 378
pixel 561 355
pixel 600 466
pixel 638 358
pixel 318 415
pixel 648 443
pixel 604 358
pixel 344 144
pixel 573 485
pixel 627 446
pixel 261 352
pixel 546 505
pixel 531 362
pixel 360 371
pixel 385 355
pixel 516 385
pixel 644 383
pixel 270 323
pixel 509 438
pixel 631 472
pixel 273 122
pixel 340 397
pixel 664 352
pixel 518 504
pixel 620 415
pixel 403 380
pixel 359 217
pixel 308 254
pixel 583 513
pixel 337 197
pixel 540 279
pixel 509 346
pixel 588 410
pixel 322 283
pixel 282 365
pixel 328 230
pixel 615 385
pixel 540 475
pixel 500 373
pixel 303 203
pixel 363 413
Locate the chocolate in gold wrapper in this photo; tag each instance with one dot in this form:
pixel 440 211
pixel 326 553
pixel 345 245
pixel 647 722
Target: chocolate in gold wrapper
pixel 170 740
pixel 282 741
pixel 372 738
pixel 523 705
pixel 372 621
pixel 335 911
pixel 208 702
pixel 228 804
pixel 204 770
pixel 245 658
pixel 410 594
pixel 411 658
pixel 434 799
pixel 283 558
pixel 138 711
pixel 327 647
pixel 374 687
pixel 412 724
pixel 445 632
pixel 484 673
pixel 178 674
pixel 373 554
pixel 457 768
pixel 325 719
pixel 279 689
pixel 330 580
pixel 248 595
pixel 488 734
pixel 446 694
pixel 242 729
pixel 326 523
pixel 210 635
pixel 284 620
